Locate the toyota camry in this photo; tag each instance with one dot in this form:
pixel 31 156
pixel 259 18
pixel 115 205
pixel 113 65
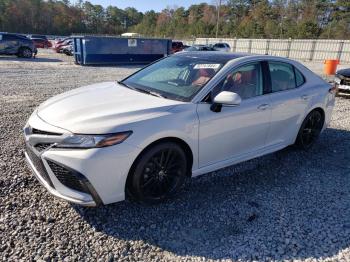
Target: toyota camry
pixel 183 116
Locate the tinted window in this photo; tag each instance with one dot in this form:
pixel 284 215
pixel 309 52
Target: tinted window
pixel 10 38
pixel 38 36
pixel 246 81
pixel 0 37
pixel 282 76
pixel 299 77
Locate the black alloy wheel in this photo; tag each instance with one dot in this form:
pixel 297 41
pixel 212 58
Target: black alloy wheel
pixel 310 130
pixel 159 173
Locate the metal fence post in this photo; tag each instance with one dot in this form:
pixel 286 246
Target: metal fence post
pixel 250 46
pixel 234 48
pixel 340 49
pixel 312 51
pixel 267 47
pixel 288 47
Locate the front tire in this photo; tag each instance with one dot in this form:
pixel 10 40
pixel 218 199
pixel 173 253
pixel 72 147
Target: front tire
pixel 310 130
pixel 158 173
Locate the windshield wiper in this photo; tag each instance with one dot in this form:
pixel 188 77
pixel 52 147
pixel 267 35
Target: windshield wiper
pixel 156 94
pixel 143 90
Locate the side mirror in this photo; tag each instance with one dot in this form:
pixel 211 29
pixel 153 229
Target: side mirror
pixel 225 98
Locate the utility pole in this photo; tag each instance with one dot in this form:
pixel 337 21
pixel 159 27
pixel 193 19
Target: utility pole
pixel 124 23
pixel 217 19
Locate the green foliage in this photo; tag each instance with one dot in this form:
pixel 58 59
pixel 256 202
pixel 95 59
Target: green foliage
pixel 238 18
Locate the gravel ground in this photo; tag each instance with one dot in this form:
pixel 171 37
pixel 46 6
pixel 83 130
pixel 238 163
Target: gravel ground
pixel 290 205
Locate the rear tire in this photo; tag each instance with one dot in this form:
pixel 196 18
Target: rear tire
pixel 310 130
pixel 25 52
pixel 158 173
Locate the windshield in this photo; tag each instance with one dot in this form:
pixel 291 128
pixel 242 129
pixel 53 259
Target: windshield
pixel 178 78
pixel 192 48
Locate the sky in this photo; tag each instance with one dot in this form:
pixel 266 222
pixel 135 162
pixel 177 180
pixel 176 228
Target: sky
pixel 146 5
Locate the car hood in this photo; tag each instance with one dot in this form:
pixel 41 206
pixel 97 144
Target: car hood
pixel 344 72
pixel 101 108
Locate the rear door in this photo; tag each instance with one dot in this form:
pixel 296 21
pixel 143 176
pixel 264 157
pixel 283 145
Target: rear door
pixel 288 102
pixel 10 44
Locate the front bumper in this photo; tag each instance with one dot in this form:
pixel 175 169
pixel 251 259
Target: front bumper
pixel 87 177
pixel 344 88
pixel 54 192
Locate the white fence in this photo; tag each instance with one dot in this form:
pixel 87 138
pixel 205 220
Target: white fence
pixel 300 49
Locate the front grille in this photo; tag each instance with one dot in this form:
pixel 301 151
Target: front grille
pixel 41 132
pixel 38 164
pixel 346 81
pixel 42 146
pixel 67 177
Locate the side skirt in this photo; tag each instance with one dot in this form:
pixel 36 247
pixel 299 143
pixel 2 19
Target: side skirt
pixel 239 159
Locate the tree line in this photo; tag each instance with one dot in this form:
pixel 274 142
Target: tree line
pixel 329 19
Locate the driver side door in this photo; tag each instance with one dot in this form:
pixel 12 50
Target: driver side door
pixel 236 131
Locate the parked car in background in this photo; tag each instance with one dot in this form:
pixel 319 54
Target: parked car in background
pixel 41 43
pixel 342 78
pixel 13 44
pixel 199 48
pixel 62 43
pixel 37 36
pixel 68 50
pixel 176 46
pixel 222 47
pixel 186 115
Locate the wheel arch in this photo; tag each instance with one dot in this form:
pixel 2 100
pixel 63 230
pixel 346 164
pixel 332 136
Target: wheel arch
pixel 184 145
pixel 316 108
pixel 187 149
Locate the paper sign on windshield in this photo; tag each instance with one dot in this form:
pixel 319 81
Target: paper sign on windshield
pixel 206 66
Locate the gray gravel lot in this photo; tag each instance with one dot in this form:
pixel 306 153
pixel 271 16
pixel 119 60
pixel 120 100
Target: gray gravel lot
pixel 290 205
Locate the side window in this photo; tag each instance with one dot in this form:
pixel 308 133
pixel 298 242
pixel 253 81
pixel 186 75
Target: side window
pixel 247 81
pixel 10 38
pixel 282 76
pixel 0 37
pixel 299 77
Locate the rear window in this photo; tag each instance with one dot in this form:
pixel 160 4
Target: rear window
pixel 299 78
pixel 220 45
pixel 282 76
pixel 10 37
pixel 177 44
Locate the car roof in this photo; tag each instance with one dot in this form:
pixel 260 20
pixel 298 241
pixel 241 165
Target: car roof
pixel 17 35
pixel 214 56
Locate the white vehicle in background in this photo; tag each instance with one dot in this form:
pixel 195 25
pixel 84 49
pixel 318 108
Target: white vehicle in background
pixel 185 115
pixel 224 47
pixel 342 79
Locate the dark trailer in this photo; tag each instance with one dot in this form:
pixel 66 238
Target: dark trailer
pixel 94 50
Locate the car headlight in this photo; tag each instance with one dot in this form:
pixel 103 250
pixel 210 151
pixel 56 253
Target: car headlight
pixel 93 141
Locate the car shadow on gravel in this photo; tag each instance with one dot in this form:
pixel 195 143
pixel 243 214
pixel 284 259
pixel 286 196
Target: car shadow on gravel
pixel 31 60
pixel 290 204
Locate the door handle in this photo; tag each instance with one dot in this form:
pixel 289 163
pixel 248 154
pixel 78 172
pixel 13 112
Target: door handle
pixel 263 106
pixel 305 97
